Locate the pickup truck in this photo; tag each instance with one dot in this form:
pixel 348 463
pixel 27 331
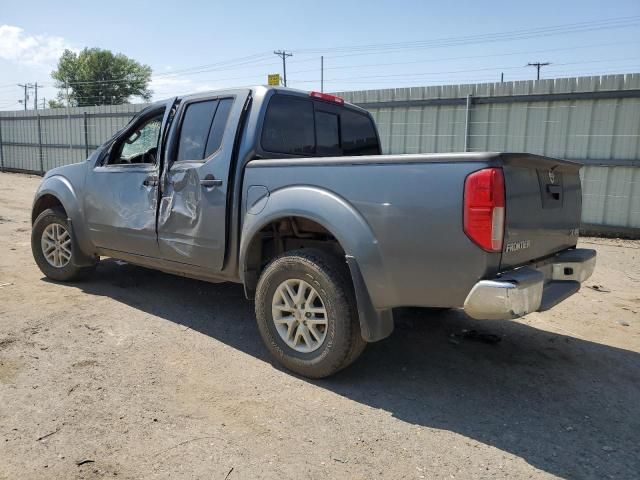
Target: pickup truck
pixel 287 193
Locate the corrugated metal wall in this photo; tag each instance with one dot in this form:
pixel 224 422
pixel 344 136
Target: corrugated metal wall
pixel 593 120
pixel 63 136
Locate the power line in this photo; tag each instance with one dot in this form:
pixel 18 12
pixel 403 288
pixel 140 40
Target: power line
pixel 231 64
pixel 496 68
pixel 466 57
pixel 190 71
pixel 226 63
pixel 437 73
pixel 620 22
pixel 250 62
pixel 397 77
pixel 256 60
pixel 243 63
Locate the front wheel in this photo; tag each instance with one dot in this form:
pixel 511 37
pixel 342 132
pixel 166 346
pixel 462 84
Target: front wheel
pixel 51 244
pixel 306 313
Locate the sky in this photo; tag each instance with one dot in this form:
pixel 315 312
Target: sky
pixel 202 45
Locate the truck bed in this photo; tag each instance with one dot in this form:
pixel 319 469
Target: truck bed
pixel 413 206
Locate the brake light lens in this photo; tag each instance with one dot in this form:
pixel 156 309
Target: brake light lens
pixel 484 208
pixel 327 98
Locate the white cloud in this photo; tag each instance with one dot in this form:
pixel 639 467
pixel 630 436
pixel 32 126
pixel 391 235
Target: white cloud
pixel 17 46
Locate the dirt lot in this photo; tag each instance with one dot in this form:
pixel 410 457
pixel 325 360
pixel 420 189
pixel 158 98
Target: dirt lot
pixel 138 374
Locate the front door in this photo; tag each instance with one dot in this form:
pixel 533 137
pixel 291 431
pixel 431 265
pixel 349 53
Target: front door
pixel 121 190
pixel 195 185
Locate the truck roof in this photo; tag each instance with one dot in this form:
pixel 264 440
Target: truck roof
pixel 261 89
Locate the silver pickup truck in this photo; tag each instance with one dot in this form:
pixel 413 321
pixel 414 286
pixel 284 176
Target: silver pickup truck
pixel 287 193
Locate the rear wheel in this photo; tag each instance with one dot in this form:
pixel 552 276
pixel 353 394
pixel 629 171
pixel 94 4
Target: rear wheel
pixel 306 313
pixel 52 247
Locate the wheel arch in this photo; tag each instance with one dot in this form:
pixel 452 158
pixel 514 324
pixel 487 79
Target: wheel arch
pixel 42 203
pixel 58 191
pixel 354 236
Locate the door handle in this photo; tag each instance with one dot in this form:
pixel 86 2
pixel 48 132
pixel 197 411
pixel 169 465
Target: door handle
pixel 210 182
pixel 150 181
pixel 554 191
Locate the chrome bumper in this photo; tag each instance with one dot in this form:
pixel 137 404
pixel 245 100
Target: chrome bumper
pixel 533 288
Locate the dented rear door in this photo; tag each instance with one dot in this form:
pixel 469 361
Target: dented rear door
pixel 196 182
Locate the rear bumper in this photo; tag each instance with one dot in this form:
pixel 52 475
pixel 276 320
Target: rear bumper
pixel 530 289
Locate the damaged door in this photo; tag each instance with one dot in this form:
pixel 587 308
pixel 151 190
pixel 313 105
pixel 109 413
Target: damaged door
pixel 121 190
pixel 195 185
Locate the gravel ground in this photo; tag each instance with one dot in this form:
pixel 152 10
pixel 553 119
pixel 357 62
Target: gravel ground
pixel 139 374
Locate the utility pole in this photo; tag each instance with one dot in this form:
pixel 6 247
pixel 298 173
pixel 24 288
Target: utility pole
pixel 538 65
pixel 35 98
pixel 66 89
pixel 283 54
pixel 321 74
pixel 26 94
pixel 66 93
pixel 502 77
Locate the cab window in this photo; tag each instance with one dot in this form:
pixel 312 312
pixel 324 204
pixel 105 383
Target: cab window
pixel 288 126
pixel 327 133
pixel 358 134
pixel 202 129
pixel 141 145
pixel 307 128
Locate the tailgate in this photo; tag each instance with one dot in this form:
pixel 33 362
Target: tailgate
pixel 543 205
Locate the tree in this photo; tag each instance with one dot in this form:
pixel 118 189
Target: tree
pixel 98 77
pixel 55 103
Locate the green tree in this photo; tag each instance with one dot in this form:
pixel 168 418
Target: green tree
pixel 98 77
pixel 55 103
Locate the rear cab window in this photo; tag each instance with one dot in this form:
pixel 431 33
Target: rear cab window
pixel 301 126
pixel 358 135
pixel 288 126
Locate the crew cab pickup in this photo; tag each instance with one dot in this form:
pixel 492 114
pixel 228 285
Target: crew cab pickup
pixel 287 193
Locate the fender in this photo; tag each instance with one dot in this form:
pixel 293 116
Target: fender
pixel 61 188
pixel 352 232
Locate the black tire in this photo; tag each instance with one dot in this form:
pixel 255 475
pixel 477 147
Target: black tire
pixel 343 343
pixel 66 273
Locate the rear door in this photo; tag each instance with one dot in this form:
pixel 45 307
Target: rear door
pixel 543 206
pixel 195 186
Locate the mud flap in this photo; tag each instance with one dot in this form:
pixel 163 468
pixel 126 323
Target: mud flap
pixel 79 258
pixel 375 324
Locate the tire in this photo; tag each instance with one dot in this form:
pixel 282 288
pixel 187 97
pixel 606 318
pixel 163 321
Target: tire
pixel 342 343
pixel 55 219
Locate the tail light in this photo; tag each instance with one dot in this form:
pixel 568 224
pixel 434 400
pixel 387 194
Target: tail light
pixel 484 208
pixel 327 98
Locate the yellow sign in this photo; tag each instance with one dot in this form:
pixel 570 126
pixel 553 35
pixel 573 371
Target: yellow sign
pixel 274 79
